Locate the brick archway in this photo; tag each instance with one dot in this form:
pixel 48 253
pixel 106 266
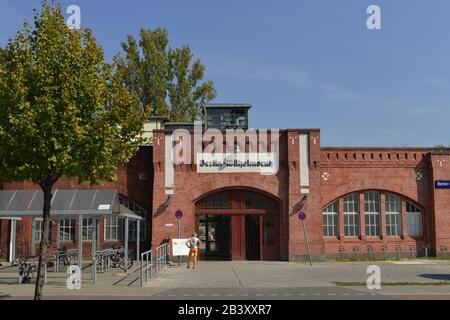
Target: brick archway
pixel 253 218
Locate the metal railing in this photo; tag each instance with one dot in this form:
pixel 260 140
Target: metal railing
pixel 162 254
pixel 146 266
pixel 156 260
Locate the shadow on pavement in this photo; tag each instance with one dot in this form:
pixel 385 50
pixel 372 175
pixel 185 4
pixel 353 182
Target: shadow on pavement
pixel 442 277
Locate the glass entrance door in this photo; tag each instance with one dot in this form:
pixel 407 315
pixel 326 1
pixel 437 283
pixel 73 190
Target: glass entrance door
pixel 214 232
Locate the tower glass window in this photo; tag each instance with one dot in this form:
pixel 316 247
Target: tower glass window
pixel 227 116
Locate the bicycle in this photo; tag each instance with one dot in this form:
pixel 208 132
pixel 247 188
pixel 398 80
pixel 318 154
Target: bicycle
pixel 27 268
pixel 114 258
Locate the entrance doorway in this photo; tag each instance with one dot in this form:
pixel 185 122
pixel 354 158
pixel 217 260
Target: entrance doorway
pixel 238 224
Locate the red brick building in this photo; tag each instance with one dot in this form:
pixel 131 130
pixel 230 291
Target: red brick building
pixel 353 198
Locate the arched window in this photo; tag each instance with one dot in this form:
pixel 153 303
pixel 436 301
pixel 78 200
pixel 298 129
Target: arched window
pixel 372 213
pixel 393 215
pixel 216 201
pixel 330 220
pixel 414 220
pixel 392 207
pixel 351 215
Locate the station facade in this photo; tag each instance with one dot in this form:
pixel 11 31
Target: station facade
pixel 363 200
pixel 368 200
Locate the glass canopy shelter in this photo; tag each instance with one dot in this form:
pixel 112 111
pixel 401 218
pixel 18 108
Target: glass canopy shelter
pixel 93 204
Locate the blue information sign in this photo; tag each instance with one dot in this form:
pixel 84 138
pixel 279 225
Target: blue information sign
pixel 442 184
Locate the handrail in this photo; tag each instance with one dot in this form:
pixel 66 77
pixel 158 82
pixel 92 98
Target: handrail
pixel 159 261
pixel 146 266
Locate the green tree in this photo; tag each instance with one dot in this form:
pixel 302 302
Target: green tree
pixel 165 79
pixel 63 111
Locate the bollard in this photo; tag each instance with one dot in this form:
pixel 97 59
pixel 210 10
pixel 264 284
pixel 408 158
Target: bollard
pixel 370 249
pixel 385 249
pixel 398 248
pixel 426 247
pixel 412 248
pixel 341 250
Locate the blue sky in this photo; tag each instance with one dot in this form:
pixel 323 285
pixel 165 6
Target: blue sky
pixel 302 63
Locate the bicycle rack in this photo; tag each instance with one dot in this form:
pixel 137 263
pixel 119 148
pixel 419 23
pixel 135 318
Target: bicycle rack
pixel 398 249
pixel 370 250
pixel 426 247
pixel 355 250
pixel 385 249
pixel 341 251
pixel 413 250
pixel 69 256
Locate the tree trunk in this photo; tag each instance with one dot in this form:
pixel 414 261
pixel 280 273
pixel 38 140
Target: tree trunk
pixel 47 189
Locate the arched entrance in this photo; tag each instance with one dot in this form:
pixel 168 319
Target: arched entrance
pixel 238 224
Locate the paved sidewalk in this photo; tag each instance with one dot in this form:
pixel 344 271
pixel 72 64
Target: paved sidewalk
pixel 250 280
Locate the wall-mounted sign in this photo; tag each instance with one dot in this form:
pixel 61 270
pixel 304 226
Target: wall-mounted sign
pixel 169 224
pixel 266 163
pixel 442 184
